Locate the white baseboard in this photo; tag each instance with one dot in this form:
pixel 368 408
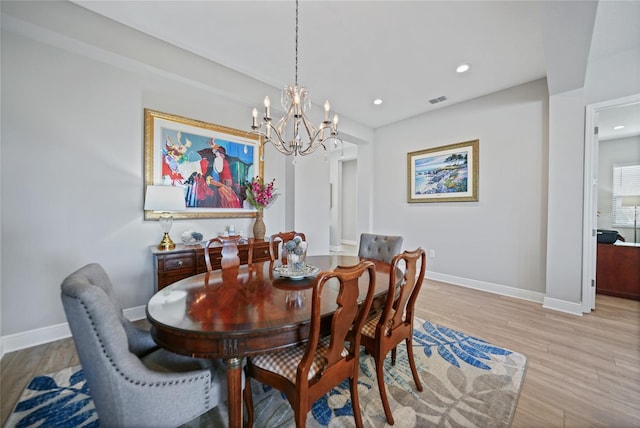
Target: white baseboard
pixel 347 242
pixel 503 290
pixel 563 306
pixel 27 339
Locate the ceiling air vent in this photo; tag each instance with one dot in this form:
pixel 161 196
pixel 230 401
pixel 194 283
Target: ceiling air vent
pixel 438 100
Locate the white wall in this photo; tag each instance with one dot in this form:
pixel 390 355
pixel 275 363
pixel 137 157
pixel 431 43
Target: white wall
pixel 312 205
pixel 614 152
pixel 498 242
pixel 564 232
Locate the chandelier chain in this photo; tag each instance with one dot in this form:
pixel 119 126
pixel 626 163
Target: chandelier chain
pixel 296 42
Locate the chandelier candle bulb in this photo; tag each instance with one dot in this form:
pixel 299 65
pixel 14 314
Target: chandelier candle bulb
pixel 255 117
pixel 267 104
pixel 327 107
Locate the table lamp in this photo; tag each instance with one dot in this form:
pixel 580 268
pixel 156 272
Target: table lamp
pixel 632 201
pixel 165 199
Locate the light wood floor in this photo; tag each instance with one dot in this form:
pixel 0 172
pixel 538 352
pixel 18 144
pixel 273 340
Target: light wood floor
pixel 581 371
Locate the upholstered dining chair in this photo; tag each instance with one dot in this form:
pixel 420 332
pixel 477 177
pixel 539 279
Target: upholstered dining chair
pixel 379 247
pixel 132 382
pixel 229 252
pixel 307 372
pixel 277 241
pixel 394 323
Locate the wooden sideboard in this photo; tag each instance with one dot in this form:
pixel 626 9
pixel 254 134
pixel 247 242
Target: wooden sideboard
pixel 185 261
pixel 618 270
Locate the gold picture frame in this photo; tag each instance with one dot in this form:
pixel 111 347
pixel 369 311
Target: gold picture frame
pixel 212 162
pixel 444 174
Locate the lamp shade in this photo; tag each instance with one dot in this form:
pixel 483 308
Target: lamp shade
pixel 631 201
pixel 164 198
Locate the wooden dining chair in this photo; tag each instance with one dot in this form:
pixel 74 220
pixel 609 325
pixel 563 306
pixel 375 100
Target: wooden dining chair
pixel 282 238
pixel 229 252
pixel 394 323
pixel 306 372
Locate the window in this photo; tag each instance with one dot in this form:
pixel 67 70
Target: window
pixel 626 181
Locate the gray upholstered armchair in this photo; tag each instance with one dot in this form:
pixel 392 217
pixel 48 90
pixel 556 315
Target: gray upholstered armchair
pixel 132 381
pixel 379 247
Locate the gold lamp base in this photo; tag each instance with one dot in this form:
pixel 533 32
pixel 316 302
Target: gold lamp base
pixel 166 243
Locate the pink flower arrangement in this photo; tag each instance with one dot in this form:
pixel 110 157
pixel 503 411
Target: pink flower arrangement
pixel 260 195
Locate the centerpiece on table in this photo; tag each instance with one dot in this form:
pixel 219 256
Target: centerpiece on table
pixel 259 196
pixel 296 254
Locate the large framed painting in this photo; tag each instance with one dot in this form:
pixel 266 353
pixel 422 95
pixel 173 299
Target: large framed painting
pixel 211 162
pixel 444 174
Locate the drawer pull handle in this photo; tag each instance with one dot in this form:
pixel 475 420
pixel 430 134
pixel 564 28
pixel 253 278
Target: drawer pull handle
pixel 180 263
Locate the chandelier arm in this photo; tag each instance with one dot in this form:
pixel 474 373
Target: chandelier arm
pixel 312 132
pixel 278 142
pixel 332 137
pixel 283 150
pixel 310 148
pixel 308 152
pixel 315 136
pixel 283 122
pixel 325 125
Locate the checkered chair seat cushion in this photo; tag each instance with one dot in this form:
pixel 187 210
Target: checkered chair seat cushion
pixel 369 328
pixel 285 363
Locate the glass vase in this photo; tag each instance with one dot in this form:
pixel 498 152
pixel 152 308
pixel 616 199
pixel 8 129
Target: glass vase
pixel 296 262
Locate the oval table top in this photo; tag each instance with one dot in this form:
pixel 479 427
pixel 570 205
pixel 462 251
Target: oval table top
pixel 245 311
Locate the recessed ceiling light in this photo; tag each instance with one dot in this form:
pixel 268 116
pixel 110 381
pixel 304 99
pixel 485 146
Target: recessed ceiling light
pixel 377 101
pixel 617 128
pixel 463 68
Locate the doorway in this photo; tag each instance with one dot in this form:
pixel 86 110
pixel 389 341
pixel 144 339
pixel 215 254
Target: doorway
pixel 349 202
pixel 598 126
pixel 344 191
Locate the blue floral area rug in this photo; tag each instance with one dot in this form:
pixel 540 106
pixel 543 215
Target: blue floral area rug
pixel 466 381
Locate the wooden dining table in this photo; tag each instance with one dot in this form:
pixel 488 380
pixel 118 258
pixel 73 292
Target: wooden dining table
pixel 236 313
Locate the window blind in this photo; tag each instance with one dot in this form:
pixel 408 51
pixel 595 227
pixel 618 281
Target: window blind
pixel 626 182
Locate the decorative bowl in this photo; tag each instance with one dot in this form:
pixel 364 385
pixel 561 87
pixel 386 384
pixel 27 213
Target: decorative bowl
pixel 190 237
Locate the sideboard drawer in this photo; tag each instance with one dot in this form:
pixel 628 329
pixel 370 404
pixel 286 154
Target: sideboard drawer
pixel 261 252
pixel 177 261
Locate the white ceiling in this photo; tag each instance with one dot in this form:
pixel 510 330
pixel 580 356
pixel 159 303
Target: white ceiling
pixel 351 52
pixel 627 116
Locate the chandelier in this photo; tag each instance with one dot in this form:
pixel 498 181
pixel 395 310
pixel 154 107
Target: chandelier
pixel 287 134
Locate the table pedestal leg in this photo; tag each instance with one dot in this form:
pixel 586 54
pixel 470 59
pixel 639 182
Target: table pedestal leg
pixel 234 391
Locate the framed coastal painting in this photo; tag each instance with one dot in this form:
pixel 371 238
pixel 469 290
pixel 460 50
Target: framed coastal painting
pixel 211 162
pixel 444 174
